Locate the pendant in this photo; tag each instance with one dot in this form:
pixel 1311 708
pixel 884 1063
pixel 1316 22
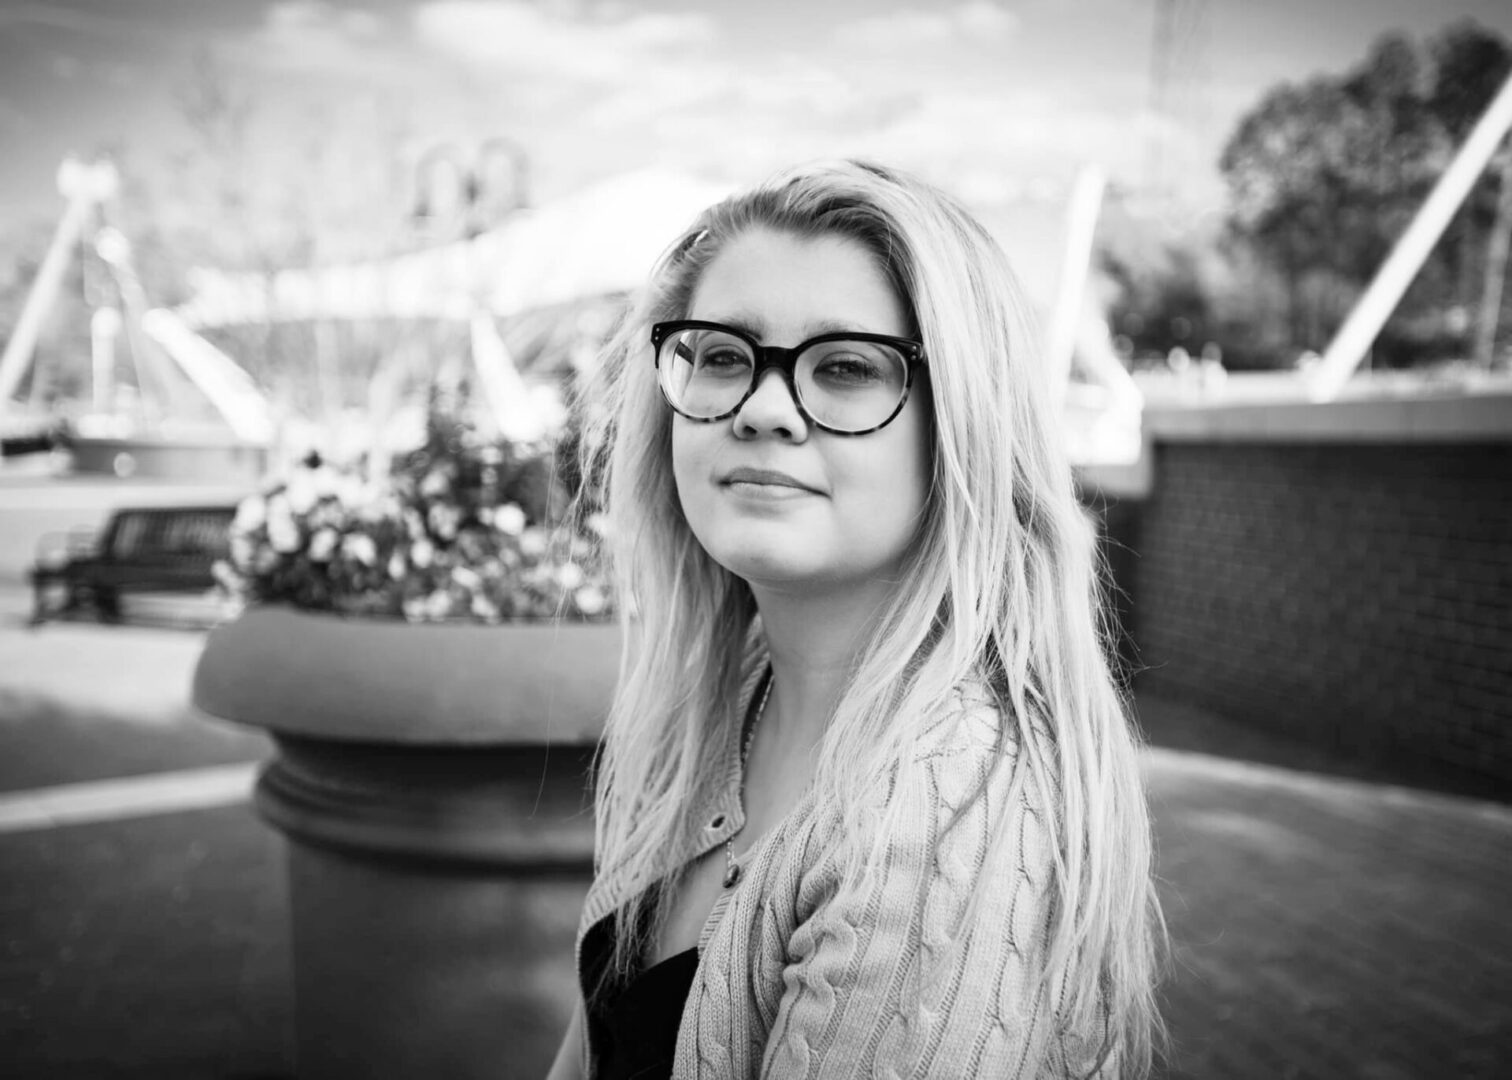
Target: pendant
pixel 732 875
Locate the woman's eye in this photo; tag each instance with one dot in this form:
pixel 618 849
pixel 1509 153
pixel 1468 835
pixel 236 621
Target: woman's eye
pixel 847 368
pixel 722 360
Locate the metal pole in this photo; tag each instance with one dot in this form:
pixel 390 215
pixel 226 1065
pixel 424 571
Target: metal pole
pixel 1407 258
pixel 1070 294
pixel 1496 270
pixel 84 186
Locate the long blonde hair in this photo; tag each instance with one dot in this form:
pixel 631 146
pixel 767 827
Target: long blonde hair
pixel 1001 585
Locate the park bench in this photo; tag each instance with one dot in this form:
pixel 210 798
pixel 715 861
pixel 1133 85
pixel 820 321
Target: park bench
pixel 160 549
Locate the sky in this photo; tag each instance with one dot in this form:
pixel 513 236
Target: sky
pixel 998 101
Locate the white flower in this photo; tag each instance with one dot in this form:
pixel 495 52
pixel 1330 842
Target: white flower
pixel 589 599
pixel 414 609
pixel 570 575
pixel 435 484
pixel 396 566
pixel 509 519
pixel 532 541
pixel 438 605
pixel 484 608
pixel 251 512
pixel 301 493
pixel 444 520
pixel 242 551
pixel 468 579
pixel 598 523
pixel 380 506
pixel 327 482
pixel 283 531
pixel 360 546
pixel 422 552
pixel 352 492
pixel 323 545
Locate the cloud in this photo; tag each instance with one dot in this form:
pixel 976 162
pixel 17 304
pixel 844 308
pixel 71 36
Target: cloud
pixel 975 21
pixel 64 66
pixel 319 38
pixel 13 119
pixel 1011 143
pixel 599 44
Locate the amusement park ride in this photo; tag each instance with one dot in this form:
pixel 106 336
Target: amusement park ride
pixel 171 363
pixel 594 244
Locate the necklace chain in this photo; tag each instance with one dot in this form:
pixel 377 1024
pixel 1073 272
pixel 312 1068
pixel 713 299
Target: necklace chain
pixel 732 868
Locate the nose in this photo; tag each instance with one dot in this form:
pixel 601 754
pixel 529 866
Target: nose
pixel 771 410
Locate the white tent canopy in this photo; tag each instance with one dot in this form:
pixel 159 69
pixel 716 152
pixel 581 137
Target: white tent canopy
pixel 600 240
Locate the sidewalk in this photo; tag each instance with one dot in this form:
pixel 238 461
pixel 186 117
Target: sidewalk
pixel 1322 927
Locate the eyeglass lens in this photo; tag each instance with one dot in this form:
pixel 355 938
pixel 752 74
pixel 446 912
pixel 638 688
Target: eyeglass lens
pixel 845 385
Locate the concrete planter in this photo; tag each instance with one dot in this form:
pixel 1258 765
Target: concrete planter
pixel 432 783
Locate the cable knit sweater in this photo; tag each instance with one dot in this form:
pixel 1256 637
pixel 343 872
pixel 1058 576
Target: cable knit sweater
pixel 800 976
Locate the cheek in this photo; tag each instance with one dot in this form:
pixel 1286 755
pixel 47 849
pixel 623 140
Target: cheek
pixel 893 477
pixel 912 460
pixel 690 452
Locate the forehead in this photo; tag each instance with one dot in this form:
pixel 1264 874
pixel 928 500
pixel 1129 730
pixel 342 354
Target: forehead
pixel 782 287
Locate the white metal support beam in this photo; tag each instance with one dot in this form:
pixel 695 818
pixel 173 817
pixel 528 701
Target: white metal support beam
pixel 1379 300
pixel 85 187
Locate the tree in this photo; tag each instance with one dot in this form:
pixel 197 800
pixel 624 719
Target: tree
pixel 1325 176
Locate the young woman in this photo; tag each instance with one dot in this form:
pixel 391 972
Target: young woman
pixel 868 802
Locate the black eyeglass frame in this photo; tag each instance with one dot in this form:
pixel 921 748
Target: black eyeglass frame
pixel 786 362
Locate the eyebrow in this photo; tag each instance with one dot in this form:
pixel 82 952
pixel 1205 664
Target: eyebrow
pixel 756 326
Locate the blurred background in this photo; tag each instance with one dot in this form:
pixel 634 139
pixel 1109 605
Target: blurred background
pixel 296 299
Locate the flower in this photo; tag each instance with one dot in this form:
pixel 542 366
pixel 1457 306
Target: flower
pixel 323 545
pixel 438 605
pixel 283 530
pixel 468 579
pixel 589 599
pixel 360 547
pixel 532 542
pixel 251 513
pixel 302 492
pixel 509 519
pixel 243 550
pixel 444 520
pixel 422 553
pixel 435 484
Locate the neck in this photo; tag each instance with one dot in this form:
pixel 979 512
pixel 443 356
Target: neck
pixel 813 640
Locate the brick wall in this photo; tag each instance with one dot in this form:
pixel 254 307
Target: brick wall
pixel 1357 595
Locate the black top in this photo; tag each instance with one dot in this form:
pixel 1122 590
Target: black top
pixel 633 1027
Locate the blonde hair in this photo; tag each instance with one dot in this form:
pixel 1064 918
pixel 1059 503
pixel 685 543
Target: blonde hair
pixel 1001 586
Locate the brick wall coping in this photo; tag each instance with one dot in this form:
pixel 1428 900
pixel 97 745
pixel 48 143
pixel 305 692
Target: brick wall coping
pixel 1272 408
pixel 1387 410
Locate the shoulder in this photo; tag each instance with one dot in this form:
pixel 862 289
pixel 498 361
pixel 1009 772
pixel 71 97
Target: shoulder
pixel 970 722
pixel 972 770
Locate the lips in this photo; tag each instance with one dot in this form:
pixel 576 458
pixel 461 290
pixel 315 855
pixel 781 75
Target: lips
pixel 769 477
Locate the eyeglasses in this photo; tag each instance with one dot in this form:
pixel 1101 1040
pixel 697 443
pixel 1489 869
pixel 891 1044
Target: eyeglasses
pixel 846 383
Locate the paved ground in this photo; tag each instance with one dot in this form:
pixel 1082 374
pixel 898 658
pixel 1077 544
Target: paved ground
pixel 1322 927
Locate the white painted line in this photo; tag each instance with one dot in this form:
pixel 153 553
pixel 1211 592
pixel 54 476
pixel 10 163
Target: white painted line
pixel 130 797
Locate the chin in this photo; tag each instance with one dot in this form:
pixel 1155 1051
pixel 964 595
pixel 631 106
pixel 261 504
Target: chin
pixel 765 566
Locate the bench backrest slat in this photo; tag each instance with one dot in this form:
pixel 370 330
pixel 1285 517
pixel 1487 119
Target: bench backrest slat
pixel 194 534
